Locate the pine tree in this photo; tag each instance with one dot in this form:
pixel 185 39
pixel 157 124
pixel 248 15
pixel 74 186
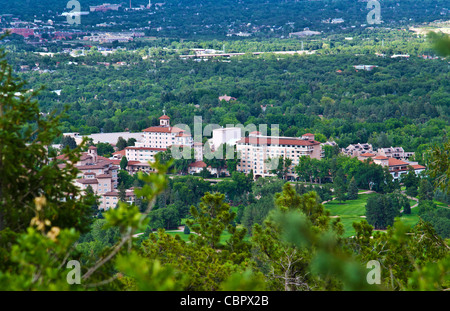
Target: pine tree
pixel 123 163
pixel 339 187
pixel 426 190
pixel 122 193
pixel 68 141
pixel 27 170
pixel 352 190
pixel 186 230
pixel 121 143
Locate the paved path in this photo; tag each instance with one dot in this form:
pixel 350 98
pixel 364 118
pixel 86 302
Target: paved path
pixel 411 198
pixel 365 192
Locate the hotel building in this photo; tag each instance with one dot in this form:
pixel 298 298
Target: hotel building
pixel 255 152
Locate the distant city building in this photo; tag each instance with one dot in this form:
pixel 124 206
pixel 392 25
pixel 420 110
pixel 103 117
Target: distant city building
pixel 24 32
pixel 400 56
pixel 337 20
pixel 105 7
pixel 365 67
pixel 305 33
pixel 226 98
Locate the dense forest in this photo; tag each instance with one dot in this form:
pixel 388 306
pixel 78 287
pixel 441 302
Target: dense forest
pixel 401 102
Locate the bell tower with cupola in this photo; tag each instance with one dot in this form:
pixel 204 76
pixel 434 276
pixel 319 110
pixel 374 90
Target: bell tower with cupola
pixel 164 120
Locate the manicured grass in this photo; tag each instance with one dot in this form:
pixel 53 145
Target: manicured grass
pixel 440 204
pixel 183 236
pixel 350 207
pixel 350 212
pixel 348 221
pixel 412 218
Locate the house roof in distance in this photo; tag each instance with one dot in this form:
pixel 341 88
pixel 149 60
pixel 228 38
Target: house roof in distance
pixel 380 158
pixel 198 164
pixel 277 141
pixel 395 162
pixel 163 129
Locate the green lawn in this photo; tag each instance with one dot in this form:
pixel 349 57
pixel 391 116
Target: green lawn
pixel 350 207
pixel 348 221
pixel 411 219
pixel 183 236
pixel 440 204
pixel 351 211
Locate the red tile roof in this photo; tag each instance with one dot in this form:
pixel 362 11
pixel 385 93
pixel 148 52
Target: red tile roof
pixel 62 157
pixel 120 152
pixel 163 129
pixel 198 164
pixel 85 157
pixel 94 166
pixel 278 141
pixel 104 176
pixel 164 117
pixel 116 193
pixel 87 181
pixel 381 158
pixel 418 167
pixel 395 162
pixel 146 148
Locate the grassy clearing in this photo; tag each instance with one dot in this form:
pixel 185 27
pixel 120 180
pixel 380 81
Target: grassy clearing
pixel 411 219
pixel 441 204
pixel 351 211
pixel 349 208
pixel 184 237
